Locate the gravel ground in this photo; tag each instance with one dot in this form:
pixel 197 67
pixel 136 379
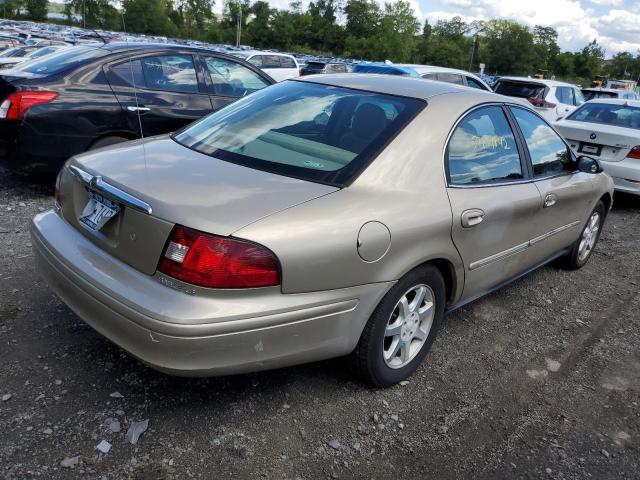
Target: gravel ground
pixel 538 380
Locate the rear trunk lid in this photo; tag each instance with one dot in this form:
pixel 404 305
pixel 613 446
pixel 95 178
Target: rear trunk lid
pixel 604 142
pixel 182 187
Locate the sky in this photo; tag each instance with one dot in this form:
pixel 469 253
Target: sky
pixel 614 23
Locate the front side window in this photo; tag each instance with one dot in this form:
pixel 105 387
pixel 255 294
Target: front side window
pixel 230 79
pixel 315 132
pixel 173 73
pixel 474 84
pixel 608 114
pixel 287 62
pixel 483 149
pixel 256 60
pixel 549 154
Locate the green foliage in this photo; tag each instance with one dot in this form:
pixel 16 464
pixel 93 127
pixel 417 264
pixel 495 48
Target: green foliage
pixel 508 47
pixel 149 16
pixel 36 10
pixel 359 29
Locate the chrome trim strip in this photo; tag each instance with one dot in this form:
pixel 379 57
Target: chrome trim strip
pixel 521 247
pixel 553 232
pixel 108 190
pixel 499 256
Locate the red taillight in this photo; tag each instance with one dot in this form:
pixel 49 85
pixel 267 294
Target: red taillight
pixel 16 104
pixel 218 262
pixel 541 102
pixel 634 153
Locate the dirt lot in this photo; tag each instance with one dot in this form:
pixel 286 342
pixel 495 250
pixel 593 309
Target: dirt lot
pixel 539 380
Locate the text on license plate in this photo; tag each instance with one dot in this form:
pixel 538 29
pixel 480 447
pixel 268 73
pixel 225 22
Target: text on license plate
pixel 99 210
pixel 592 149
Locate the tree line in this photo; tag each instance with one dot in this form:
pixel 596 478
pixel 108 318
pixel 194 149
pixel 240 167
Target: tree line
pixel 361 29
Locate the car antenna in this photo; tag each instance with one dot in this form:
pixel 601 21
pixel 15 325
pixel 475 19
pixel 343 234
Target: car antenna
pixel 104 41
pixel 135 94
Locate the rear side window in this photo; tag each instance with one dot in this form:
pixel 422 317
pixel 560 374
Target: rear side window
pixel 549 154
pixel 519 89
pixel 173 73
pixel 483 149
pixel 230 79
pixel 450 78
pixel 315 132
pixel 127 73
pixel 564 95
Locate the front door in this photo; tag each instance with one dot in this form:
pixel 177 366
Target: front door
pixel 566 193
pixel 492 199
pixel 163 89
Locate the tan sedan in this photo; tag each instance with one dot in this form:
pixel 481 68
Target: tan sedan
pixel 335 215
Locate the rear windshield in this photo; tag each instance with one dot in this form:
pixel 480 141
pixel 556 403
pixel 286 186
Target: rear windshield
pixel 608 114
pixel 519 89
pixel 61 60
pixel 315 132
pixel 590 95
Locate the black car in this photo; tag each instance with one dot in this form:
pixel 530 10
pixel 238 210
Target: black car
pixel 312 68
pixel 88 97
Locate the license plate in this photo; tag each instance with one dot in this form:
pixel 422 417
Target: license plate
pixel 99 211
pixel 589 148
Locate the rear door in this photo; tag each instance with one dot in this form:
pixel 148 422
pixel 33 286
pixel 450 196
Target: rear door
pixel 567 194
pixel 165 89
pixel 492 199
pixel 227 80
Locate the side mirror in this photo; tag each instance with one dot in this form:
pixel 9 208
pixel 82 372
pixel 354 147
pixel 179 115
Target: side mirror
pixel 588 165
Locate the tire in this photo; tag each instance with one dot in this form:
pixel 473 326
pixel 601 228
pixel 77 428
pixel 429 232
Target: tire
pixel 106 141
pixel 373 358
pixel 585 244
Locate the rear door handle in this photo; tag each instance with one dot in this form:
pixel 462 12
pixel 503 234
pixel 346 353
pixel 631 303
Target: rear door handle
pixel 550 200
pixel 471 218
pixel 132 108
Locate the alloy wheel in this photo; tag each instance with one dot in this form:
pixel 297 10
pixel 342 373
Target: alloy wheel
pixel 408 326
pixel 589 236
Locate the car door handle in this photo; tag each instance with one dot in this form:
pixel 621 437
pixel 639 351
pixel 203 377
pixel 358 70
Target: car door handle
pixel 132 108
pixel 550 200
pixel 471 218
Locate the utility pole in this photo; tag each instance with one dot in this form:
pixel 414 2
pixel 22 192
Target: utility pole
pixel 239 25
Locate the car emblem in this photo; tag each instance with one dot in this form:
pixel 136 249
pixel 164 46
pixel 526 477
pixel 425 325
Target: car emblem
pixel 593 136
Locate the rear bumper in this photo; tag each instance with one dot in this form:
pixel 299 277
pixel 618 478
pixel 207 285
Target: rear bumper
pixel 625 174
pixel 216 333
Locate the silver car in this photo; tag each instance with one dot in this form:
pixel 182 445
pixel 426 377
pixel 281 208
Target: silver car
pixel 331 216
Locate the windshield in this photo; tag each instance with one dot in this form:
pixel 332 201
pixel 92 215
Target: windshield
pixel 61 60
pixel 608 114
pixel 591 94
pixel 10 51
pixel 41 52
pixel 519 89
pixel 304 130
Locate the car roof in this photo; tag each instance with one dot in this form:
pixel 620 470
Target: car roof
pixel 608 90
pixel 541 81
pixel 123 46
pixel 433 68
pixel 617 101
pixel 396 85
